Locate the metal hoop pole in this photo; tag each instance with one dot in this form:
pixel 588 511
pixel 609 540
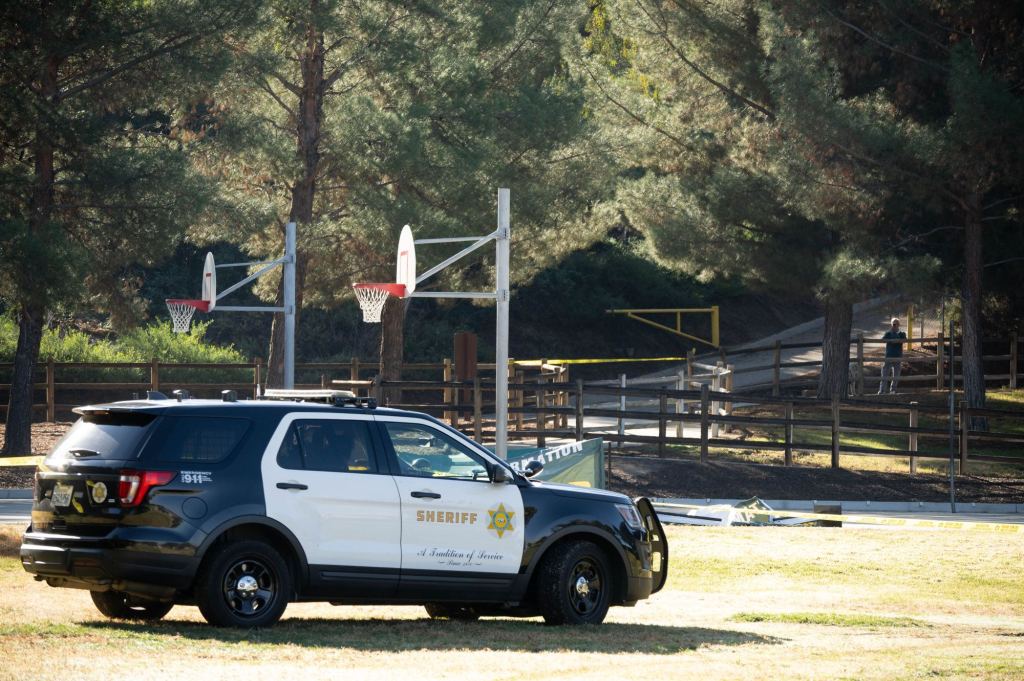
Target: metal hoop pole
pixel 501 249
pixel 289 306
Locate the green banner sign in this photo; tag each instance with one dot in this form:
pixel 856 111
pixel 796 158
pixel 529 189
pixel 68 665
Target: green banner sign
pixel 577 463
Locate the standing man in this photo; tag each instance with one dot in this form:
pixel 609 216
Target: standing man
pixel 893 357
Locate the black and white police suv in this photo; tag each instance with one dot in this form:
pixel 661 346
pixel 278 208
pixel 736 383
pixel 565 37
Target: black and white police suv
pixel 239 507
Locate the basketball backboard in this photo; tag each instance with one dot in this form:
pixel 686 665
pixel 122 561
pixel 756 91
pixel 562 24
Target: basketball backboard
pixel 210 281
pixel 405 269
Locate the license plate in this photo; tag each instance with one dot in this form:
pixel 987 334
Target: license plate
pixel 62 494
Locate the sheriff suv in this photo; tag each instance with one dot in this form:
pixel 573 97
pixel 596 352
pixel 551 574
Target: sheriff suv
pixel 240 507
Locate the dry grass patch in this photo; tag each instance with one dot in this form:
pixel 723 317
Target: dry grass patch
pixel 796 603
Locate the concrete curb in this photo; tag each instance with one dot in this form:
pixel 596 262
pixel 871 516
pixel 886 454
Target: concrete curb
pixel 16 493
pixel 860 506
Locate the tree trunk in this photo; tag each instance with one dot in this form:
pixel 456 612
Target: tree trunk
pixel 18 431
pixel 392 345
pixel 309 120
pixel 973 367
pixel 835 348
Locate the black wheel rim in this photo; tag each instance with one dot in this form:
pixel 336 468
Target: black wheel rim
pixel 250 587
pixel 585 587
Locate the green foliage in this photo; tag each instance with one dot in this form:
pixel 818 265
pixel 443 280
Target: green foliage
pixel 142 344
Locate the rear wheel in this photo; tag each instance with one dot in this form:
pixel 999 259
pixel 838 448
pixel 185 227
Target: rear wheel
pixel 574 584
pixel 462 613
pixel 245 584
pixel 121 606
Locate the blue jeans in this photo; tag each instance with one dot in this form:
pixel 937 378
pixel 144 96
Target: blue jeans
pixel 891 367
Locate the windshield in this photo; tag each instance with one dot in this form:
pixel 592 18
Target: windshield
pixel 103 436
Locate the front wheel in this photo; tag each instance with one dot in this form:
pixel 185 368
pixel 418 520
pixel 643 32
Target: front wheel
pixel 245 584
pixel 121 606
pixel 574 584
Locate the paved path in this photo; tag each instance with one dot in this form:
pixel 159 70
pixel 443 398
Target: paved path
pixel 871 318
pixel 15 511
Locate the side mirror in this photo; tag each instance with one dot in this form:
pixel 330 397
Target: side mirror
pixel 532 468
pixel 500 475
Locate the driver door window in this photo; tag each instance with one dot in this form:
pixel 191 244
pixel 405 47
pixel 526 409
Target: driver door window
pixel 425 452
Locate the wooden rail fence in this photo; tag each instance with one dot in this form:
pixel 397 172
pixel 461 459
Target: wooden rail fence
pixel 838 418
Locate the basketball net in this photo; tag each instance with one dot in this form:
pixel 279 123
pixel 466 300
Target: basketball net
pixel 372 297
pixel 182 311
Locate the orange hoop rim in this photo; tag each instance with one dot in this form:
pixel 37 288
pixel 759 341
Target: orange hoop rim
pixel 392 289
pixel 201 305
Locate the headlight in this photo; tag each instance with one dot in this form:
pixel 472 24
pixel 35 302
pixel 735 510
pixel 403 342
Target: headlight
pixel 630 515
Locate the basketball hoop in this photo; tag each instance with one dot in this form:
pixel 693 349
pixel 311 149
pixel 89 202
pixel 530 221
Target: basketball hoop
pixel 182 311
pixel 372 297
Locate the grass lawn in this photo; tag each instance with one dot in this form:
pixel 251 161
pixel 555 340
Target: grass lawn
pixel 773 603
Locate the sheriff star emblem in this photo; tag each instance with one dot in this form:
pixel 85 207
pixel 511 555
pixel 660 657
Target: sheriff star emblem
pixel 501 520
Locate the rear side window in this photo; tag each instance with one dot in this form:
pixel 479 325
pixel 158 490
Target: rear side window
pixel 195 439
pixel 104 436
pixel 328 445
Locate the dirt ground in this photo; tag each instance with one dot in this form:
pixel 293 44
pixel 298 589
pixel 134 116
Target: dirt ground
pixel 642 476
pixel 669 478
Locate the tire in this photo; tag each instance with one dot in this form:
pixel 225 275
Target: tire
pixel 574 584
pixel 461 613
pixel 245 584
pixel 120 606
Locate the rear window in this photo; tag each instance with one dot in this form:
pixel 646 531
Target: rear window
pixel 195 439
pixel 104 436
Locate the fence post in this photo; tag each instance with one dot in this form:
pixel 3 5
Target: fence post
pixel 691 357
pixel 375 389
pixel 446 394
pixel 912 440
pixel 860 364
pixel 940 351
pixel 705 404
pixel 728 388
pixel 478 409
pixel 622 408
pixel 662 423
pixel 563 396
pixel 353 369
pixel 542 419
pixel 777 368
pixel 680 403
pixel 154 374
pixel 257 376
pixel 1013 360
pixel 789 434
pixel 965 425
pixel 716 385
pixel 520 399
pixel 835 432
pixel 579 409
pixel 51 392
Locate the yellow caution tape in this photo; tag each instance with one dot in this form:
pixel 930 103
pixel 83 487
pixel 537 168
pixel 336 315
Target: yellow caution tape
pixel 615 360
pixel 860 519
pixel 21 460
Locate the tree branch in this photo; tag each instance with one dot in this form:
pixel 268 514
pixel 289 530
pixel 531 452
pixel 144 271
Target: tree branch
pixel 722 87
pixel 879 41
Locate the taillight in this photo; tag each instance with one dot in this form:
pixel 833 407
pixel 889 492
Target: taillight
pixel 133 485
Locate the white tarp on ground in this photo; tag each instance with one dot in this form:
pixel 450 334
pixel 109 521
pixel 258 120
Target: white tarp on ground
pixel 750 512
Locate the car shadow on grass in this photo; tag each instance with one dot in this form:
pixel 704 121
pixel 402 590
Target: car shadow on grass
pixel 436 635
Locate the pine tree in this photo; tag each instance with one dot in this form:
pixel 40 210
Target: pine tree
pixel 743 152
pixel 376 114
pixel 94 141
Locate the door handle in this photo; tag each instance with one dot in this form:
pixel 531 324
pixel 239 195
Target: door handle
pixel 425 495
pixel 291 485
